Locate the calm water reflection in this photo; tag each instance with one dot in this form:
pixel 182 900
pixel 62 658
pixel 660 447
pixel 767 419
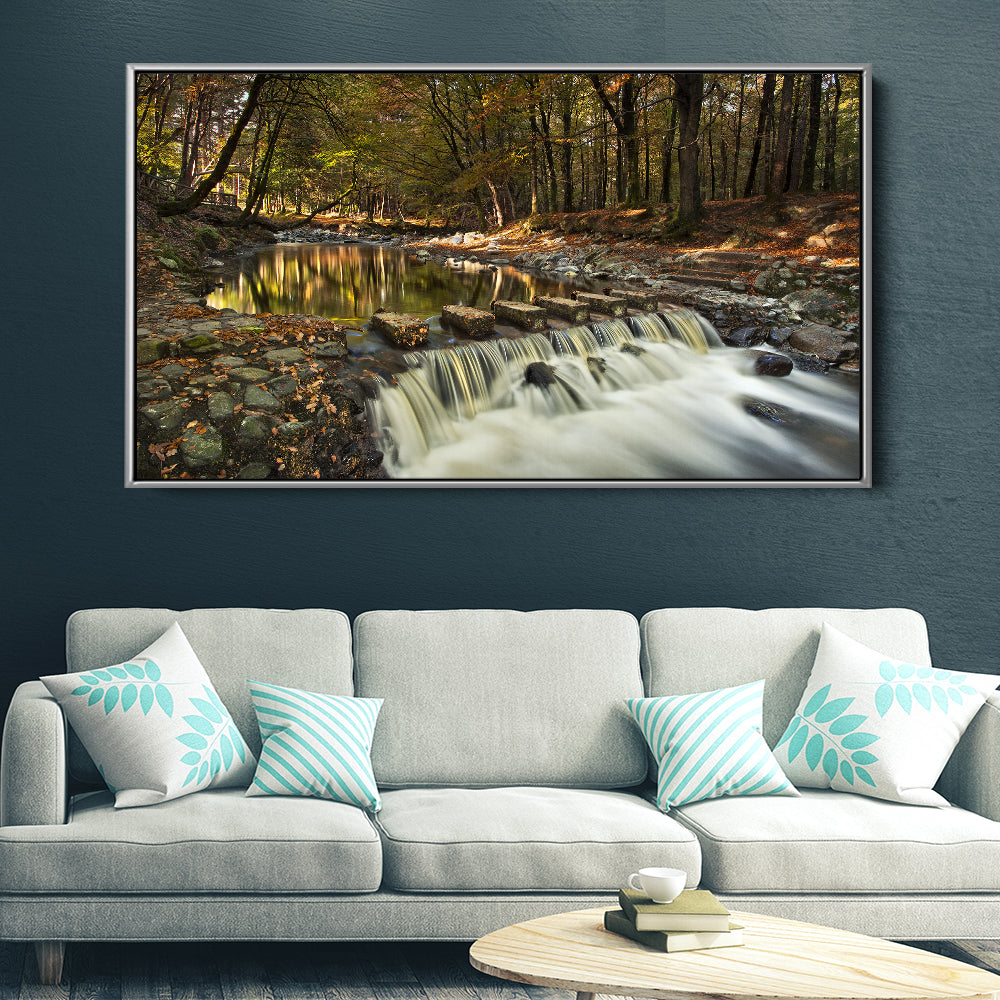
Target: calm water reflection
pixel 349 282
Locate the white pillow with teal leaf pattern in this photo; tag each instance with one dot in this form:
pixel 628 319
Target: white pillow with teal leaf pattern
pixel 878 726
pixel 154 725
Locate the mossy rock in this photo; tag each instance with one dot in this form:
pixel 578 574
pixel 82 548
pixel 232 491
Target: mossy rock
pixel 207 238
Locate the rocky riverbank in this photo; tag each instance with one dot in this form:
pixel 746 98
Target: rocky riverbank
pixel 222 395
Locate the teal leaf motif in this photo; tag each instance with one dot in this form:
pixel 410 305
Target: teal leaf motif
pixel 846 723
pixel 863 757
pixel 797 742
pixel 847 772
pixel 855 741
pixel 103 675
pixel 152 670
pixel 830 763
pixel 887 670
pixel 213 739
pixel 924 672
pixel 906 671
pixel 207 709
pixel 190 776
pixel 110 699
pixel 238 743
pixel 904 698
pixel 955 696
pixel 864 776
pixel 95 696
pixel 82 689
pixel 833 708
pixel 200 725
pixel 816 701
pixel 164 699
pixel 129 694
pixel 814 751
pixel 922 695
pixel 883 698
pixel 136 671
pixel 939 696
pixel 118 672
pixel 146 699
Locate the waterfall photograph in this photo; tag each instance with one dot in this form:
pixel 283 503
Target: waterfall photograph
pixel 521 277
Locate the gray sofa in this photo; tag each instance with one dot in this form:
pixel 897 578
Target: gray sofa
pixel 514 784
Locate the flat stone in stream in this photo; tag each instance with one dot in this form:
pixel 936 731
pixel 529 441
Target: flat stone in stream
pixel 401 329
pixel 575 312
pixel 473 323
pixel 527 317
pixel 606 305
pixel 635 300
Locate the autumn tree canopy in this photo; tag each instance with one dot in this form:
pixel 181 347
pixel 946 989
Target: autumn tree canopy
pixel 485 148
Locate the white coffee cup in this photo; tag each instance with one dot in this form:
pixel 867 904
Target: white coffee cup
pixel 661 885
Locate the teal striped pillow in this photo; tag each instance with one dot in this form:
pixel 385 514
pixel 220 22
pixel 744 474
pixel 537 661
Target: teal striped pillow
pixel 709 744
pixel 315 744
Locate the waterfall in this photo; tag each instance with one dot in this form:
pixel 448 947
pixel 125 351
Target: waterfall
pixel 654 396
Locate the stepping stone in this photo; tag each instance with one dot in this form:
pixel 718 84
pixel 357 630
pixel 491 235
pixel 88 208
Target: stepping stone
pixel 575 312
pixel 401 329
pixel 251 374
pixel 635 300
pixel 606 305
pixel 522 314
pixel 473 322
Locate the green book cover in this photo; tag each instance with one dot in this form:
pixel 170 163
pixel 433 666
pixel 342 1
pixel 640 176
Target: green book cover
pixel 617 922
pixel 692 910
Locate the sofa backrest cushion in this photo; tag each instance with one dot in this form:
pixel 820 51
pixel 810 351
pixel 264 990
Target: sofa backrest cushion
pixel 499 698
pixel 308 649
pixel 686 650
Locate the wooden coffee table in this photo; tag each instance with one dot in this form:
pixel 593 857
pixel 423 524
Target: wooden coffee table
pixel 779 959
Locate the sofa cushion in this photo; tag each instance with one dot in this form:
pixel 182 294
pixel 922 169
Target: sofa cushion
pixel 154 724
pixel 215 841
pixel 315 744
pixel 526 838
pixel 685 650
pixel 308 648
pixel 493 698
pixel 709 744
pixel 878 726
pixel 835 842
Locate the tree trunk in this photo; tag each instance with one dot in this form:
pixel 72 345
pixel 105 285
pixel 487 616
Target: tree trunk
pixel 625 122
pixel 779 166
pixel 567 151
pixel 689 87
pixel 766 101
pixel 829 177
pixel 800 118
pixel 668 147
pixel 808 182
pixel 199 194
pixel 734 190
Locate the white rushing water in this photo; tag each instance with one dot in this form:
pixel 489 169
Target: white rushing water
pixel 660 400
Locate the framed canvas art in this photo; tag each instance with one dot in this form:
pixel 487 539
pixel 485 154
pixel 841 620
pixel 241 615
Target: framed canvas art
pixel 404 276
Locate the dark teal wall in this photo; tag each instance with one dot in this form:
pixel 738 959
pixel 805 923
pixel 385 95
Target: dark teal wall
pixel 925 536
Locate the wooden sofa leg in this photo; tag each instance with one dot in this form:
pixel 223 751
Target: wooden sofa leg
pixel 49 955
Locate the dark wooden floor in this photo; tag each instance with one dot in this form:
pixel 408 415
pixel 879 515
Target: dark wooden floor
pixel 281 971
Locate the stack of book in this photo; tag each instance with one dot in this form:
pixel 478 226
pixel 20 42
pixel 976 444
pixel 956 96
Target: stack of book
pixel 695 919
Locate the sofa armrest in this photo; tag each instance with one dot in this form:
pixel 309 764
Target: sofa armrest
pixel 34 777
pixel 971 779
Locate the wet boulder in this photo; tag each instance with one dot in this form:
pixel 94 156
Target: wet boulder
pixel 823 342
pixel 745 336
pixel 539 373
pixel 775 365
